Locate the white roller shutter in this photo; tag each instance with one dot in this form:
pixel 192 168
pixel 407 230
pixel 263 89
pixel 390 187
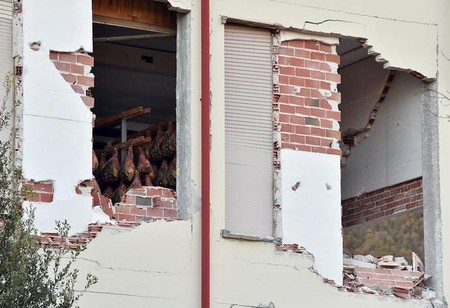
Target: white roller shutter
pixel 6 62
pixel 248 131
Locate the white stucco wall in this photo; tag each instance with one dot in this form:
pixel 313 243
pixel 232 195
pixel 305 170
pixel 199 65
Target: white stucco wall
pixel 443 16
pixel 57 126
pixel 158 265
pixel 392 151
pixel 311 213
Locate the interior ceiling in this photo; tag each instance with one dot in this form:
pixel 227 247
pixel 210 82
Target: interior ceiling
pixel 133 72
pixel 351 51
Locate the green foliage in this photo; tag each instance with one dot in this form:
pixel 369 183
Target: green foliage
pixel 398 235
pixel 30 275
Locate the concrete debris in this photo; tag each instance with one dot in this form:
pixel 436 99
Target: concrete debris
pixel 388 275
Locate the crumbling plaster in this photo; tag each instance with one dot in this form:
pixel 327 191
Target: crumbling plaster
pixel 390 27
pixel 57 126
pixel 163 271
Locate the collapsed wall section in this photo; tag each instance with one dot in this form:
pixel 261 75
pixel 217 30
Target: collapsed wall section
pixel 307 153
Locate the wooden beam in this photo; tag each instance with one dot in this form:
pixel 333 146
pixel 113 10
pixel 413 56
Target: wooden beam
pixel 128 114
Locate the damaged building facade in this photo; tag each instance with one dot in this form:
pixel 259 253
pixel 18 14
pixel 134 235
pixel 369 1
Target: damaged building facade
pixel 289 126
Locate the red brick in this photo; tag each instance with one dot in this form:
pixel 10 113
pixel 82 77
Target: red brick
pixel 285 137
pixel 286 51
pixel 301 53
pixel 319 150
pixel 295 81
pixel 88 101
pixel 283 118
pixel 335 115
pixel 282 79
pixel 85 59
pixel 310 83
pixel 334 77
pixel 325 85
pixel 325 67
pixel 334 151
pixel 287 145
pixel 167 193
pixel 69 78
pixel 325 142
pixel 312 64
pixel 155 212
pixel 77 69
pixel 333 58
pixel 318 56
pixel 304 148
pixel 296 43
pixel 303 111
pixel 43 197
pixel 303 130
pixel 152 191
pixel 170 214
pixel 287 128
pixel 43 187
pixel 302 72
pixel 325 104
pixel 62 67
pixel 325 48
pixel 78 89
pixel 298 120
pixel 134 210
pixel 167 204
pixel 318 112
pixel 85 81
pixel 297 139
pixel 333 134
pixel 297 62
pixel 282 60
pixel 296 100
pixel 122 209
pixel 67 57
pixel 287 70
pixel 317 75
pixel 312 45
pixel 128 218
pixel 287 109
pixel 53 55
pixel 312 140
pixel 316 131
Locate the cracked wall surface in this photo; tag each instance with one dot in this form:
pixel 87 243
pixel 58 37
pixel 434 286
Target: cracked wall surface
pixel 57 126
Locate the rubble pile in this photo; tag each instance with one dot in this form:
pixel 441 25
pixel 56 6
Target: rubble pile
pixel 387 275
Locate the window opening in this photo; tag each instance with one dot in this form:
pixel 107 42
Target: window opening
pixel 134 135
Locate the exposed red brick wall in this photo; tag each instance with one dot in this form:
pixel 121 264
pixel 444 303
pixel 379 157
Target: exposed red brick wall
pixel 382 202
pixel 75 67
pixel 147 204
pixel 306 97
pixel 38 191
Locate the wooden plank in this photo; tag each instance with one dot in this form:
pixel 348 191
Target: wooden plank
pixel 128 114
pixel 140 11
pixel 132 142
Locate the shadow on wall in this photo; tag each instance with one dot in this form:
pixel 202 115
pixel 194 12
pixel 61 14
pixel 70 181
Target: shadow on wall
pixel 398 235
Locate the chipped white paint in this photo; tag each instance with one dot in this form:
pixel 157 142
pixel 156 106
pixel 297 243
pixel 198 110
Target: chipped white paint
pixel 180 5
pixel 158 265
pixel 391 153
pixel 57 126
pixel 61 25
pixel 311 211
pixel 390 28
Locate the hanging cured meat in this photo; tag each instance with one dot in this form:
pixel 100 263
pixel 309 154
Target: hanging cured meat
pixel 168 144
pixel 127 168
pixel 109 174
pixel 155 150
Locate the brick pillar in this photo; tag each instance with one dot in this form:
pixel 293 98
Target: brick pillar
pixel 306 97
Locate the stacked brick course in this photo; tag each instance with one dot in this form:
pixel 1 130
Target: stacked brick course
pixel 146 204
pixel 306 97
pixel 38 191
pixel 75 68
pixel 382 202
